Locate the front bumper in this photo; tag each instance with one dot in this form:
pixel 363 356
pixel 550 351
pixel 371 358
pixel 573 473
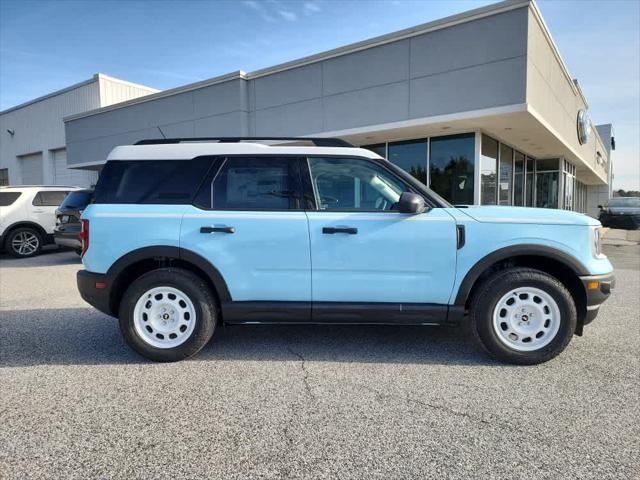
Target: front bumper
pixel 95 289
pixel 598 289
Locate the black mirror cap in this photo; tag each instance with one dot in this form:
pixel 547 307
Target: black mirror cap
pixel 411 203
pixel 600 207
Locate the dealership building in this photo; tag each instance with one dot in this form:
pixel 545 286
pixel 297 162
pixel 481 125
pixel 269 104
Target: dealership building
pixel 479 105
pixel 32 138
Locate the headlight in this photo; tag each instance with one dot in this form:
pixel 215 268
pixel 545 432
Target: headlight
pixel 596 242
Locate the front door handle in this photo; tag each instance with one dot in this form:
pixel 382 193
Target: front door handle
pixel 217 229
pixel 332 230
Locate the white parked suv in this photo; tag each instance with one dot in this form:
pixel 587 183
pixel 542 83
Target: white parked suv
pixel 27 217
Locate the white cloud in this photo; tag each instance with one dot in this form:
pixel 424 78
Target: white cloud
pixel 288 15
pixel 311 8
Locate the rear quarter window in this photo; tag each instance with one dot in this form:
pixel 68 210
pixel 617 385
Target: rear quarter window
pixel 8 198
pixel 151 181
pixel 49 198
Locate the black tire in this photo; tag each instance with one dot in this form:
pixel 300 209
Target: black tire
pixel 15 234
pixel 488 295
pixel 191 285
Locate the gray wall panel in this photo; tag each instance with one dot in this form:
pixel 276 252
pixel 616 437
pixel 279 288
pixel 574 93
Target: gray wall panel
pixel 230 124
pixel 483 86
pixel 295 119
pixel 220 98
pixel 387 103
pixel 485 40
pixel 302 83
pixel 375 66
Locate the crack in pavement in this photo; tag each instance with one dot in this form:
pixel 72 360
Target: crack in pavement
pixel 303 366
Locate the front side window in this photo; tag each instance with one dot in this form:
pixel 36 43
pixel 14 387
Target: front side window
pixel 350 184
pixel 254 183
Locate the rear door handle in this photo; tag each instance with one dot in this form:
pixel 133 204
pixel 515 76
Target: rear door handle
pixel 217 229
pixel 332 230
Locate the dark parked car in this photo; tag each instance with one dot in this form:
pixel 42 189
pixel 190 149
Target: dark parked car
pixel 621 212
pixel 68 225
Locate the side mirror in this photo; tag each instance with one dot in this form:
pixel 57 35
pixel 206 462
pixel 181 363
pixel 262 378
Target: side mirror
pixel 600 207
pixel 411 203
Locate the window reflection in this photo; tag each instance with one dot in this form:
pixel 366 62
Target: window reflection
pixel 506 173
pixel 411 156
pixel 451 167
pixel 488 170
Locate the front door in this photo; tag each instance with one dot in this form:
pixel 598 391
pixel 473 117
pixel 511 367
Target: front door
pixel 363 251
pixel 249 225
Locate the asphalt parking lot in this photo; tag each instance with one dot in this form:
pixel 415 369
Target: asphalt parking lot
pixel 307 402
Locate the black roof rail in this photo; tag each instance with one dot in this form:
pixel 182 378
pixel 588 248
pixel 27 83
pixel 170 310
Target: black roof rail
pixel 317 141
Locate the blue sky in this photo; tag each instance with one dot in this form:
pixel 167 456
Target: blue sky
pixel 48 45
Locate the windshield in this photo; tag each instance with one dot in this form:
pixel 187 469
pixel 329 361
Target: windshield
pixel 7 198
pixel 77 200
pixel 629 202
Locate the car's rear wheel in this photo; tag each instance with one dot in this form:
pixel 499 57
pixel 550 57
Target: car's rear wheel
pixel 24 242
pixel 523 316
pixel 168 314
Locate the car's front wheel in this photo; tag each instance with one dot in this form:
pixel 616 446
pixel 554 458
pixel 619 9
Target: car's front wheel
pixel 168 314
pixel 523 316
pixel 23 242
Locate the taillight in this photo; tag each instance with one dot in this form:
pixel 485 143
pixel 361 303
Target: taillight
pixel 84 236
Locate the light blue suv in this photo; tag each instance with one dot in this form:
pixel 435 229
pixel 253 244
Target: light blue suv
pixel 185 234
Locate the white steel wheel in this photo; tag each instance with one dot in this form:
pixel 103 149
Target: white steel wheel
pixel 25 243
pixel 526 319
pixel 164 317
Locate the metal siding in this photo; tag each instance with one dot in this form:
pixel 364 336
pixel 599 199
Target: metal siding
pixel 68 176
pixel 31 169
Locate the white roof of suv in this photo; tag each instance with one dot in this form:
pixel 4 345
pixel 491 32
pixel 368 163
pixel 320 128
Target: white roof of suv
pixel 22 188
pixel 189 150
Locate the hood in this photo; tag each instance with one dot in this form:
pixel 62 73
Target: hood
pixel 539 216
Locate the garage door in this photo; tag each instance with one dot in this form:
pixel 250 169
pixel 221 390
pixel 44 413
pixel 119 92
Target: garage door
pixel 69 176
pixel 31 168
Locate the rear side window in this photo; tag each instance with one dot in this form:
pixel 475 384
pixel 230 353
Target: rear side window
pixel 49 199
pixel 7 198
pixel 77 200
pixel 253 183
pixel 167 182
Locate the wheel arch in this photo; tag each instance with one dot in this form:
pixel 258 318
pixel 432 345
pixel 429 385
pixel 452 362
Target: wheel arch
pixel 137 262
pixel 566 268
pixel 24 224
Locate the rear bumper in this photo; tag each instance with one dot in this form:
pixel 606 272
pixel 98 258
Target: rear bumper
pixel 598 289
pixel 67 236
pixel 99 298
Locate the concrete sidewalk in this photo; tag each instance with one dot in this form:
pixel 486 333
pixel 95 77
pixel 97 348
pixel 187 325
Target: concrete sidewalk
pixel 614 236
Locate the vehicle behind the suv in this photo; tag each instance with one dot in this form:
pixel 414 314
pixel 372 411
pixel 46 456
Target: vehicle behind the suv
pixel 27 217
pixel 67 230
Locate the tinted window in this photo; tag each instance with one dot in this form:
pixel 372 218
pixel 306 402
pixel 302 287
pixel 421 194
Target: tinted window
pixel 254 183
pixel 353 184
pixel 77 200
pixel 452 166
pixel 7 198
pixel 49 199
pixel 166 182
pixel 411 156
pixel 488 171
pixel 629 202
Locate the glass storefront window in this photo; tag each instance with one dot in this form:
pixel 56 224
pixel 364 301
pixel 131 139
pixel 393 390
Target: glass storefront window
pixel 411 156
pixel 379 148
pixel 529 186
pixel 547 189
pixel 488 171
pixel 518 179
pixel 506 173
pixel 451 167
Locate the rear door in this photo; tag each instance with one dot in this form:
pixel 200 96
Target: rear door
pixel 363 250
pixel 44 205
pixel 247 221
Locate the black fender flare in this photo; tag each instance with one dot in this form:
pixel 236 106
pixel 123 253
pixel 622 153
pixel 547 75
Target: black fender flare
pixel 165 251
pixel 505 253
